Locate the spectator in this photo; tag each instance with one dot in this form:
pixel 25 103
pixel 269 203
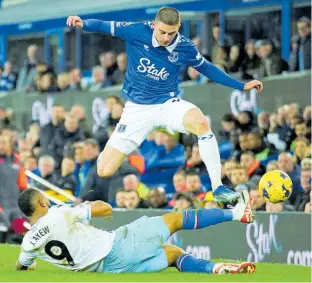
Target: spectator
pixel 257 145
pixel 170 155
pixel 116 181
pixel 221 59
pixel 194 185
pixel 271 63
pixel 7 151
pixel 300 58
pixel 63 82
pixel 307 116
pixel 183 202
pixel 234 139
pixel 303 198
pixel 31 164
pixel 272 165
pixel 235 59
pixel 108 63
pixel 287 165
pixel 87 158
pixel 75 80
pixel 263 121
pixel 79 111
pixel 243 146
pixel 47 132
pixel 251 62
pixel 253 166
pixel 66 180
pixel 228 166
pixel 228 124
pixel 8 78
pixel 239 175
pixel 99 79
pixel 47 83
pixel 133 201
pixel 65 135
pixel 92 186
pixel 195 163
pixel 157 199
pixel 302 149
pixel 116 112
pixel 302 130
pixel 179 181
pixel 46 165
pixel 27 74
pixel 119 74
pixel 306 163
pixel 6 119
pixel 132 183
pixel 258 201
pixel 246 121
pixel 120 199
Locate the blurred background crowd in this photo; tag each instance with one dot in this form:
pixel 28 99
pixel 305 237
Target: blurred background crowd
pixel 166 171
pixel 244 60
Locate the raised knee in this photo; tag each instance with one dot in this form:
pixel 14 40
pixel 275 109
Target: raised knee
pixel 202 126
pixel 105 171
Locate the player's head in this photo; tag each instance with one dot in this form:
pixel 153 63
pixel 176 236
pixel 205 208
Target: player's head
pixel 33 202
pixel 166 25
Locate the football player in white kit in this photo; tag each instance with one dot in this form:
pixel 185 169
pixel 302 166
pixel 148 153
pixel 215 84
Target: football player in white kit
pixel 60 236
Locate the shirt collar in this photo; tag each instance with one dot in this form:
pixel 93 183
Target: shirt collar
pixel 171 47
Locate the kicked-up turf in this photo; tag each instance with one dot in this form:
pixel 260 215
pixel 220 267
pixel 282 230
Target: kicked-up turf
pixel 46 272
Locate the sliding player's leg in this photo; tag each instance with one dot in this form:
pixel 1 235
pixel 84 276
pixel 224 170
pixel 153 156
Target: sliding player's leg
pixel 201 218
pixel 187 263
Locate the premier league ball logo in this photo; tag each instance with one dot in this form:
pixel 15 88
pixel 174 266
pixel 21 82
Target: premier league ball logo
pixel 173 57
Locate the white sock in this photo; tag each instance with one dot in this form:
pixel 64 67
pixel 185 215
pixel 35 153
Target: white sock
pixel 209 153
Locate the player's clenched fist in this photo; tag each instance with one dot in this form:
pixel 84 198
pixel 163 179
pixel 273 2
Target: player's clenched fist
pixel 254 84
pixel 74 21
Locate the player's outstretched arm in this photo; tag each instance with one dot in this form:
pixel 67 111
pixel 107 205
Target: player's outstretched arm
pixel 217 75
pixel 91 25
pixel 100 209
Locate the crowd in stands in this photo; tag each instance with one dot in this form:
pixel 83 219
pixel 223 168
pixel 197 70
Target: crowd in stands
pixel 166 171
pixel 257 59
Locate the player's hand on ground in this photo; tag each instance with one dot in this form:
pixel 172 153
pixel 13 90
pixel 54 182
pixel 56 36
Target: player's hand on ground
pixel 254 84
pixel 74 21
pixel 33 266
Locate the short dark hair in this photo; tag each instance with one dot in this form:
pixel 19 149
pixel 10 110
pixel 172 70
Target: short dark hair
pixel 192 173
pixel 168 16
pixel 25 201
pixel 91 142
pixel 228 117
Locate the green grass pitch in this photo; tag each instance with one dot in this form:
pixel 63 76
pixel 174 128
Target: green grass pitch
pixel 46 272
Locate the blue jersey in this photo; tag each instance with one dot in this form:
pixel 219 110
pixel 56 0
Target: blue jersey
pixel 152 75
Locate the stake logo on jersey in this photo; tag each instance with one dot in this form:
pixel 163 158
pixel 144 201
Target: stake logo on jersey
pixel 151 71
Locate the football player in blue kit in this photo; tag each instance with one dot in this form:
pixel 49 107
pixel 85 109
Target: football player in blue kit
pixel 156 51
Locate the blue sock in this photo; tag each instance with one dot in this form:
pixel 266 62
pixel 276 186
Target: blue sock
pixel 197 219
pixel 188 263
